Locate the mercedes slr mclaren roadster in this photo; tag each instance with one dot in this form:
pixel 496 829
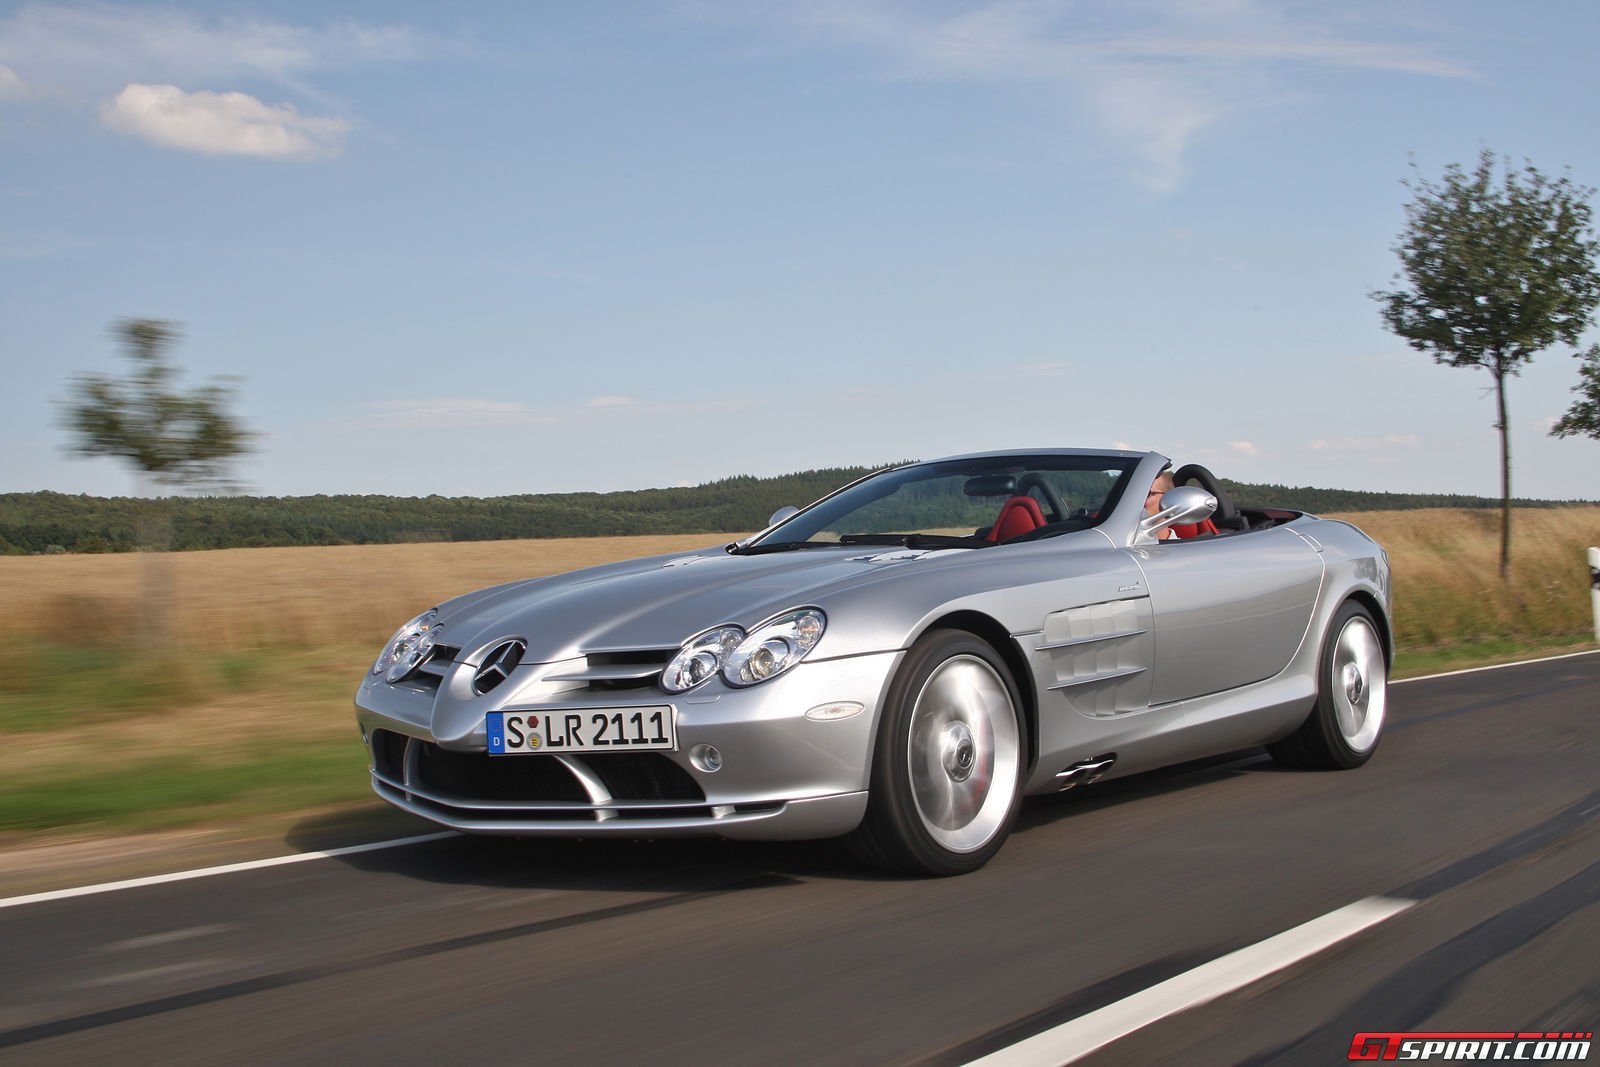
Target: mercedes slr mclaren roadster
pixel 900 662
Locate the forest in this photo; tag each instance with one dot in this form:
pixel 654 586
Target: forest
pixel 48 522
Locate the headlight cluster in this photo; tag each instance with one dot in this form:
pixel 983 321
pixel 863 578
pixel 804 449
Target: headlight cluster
pixel 745 659
pixel 410 645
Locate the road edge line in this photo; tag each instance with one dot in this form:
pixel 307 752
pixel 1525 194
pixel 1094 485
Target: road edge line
pixel 227 868
pixel 1078 1037
pixel 1496 667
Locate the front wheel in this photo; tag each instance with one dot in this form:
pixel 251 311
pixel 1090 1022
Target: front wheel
pixel 1352 698
pixel 947 770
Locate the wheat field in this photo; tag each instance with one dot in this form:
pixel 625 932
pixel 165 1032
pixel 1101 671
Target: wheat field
pixel 1447 589
pixel 238 599
pixel 205 729
pixel 1447 586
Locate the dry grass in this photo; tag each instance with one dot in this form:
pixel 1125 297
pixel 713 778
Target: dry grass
pixel 245 598
pixel 1446 573
pixel 1447 590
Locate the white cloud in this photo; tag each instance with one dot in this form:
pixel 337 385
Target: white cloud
pixel 11 84
pixel 444 413
pixel 50 245
pixel 1366 444
pixel 88 50
pixel 1041 370
pixel 688 407
pixel 1244 448
pixel 136 55
pixel 1156 120
pixel 469 412
pixel 231 124
pixel 1150 77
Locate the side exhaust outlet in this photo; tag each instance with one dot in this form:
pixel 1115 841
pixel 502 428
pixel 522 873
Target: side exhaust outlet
pixel 1085 771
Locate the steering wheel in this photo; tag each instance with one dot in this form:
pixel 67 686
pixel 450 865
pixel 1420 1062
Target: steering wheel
pixel 1035 480
pixel 1227 516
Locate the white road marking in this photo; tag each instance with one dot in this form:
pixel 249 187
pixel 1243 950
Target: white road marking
pixel 1075 1039
pixel 1496 667
pixel 227 868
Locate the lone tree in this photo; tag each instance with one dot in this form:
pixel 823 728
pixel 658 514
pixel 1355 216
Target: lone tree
pixel 1497 271
pixel 1583 417
pixel 172 438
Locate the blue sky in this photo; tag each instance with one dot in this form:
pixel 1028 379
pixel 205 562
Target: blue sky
pixel 493 248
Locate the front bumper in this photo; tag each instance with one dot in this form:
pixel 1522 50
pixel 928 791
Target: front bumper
pixel 783 775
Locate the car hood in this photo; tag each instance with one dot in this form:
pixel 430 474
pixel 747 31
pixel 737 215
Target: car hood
pixel 657 603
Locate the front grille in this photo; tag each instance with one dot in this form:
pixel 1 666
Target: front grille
pixel 643 776
pixel 465 778
pixel 637 668
pixel 473 776
pixel 389 754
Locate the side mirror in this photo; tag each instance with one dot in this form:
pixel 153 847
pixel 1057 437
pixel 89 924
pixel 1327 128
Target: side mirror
pixel 1183 504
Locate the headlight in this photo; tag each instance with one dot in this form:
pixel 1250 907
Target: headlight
pixel 774 647
pixel 409 646
pixel 700 658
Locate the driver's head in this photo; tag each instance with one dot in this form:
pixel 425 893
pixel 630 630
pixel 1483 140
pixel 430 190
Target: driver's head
pixel 1152 500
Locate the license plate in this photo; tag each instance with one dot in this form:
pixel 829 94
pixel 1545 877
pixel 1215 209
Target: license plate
pixel 521 733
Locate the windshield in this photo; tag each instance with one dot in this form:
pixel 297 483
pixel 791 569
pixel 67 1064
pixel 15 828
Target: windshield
pixel 966 503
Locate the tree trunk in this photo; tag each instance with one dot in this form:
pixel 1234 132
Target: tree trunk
pixel 155 567
pixel 1505 472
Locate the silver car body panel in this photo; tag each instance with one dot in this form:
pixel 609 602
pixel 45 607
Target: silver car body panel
pixel 1155 652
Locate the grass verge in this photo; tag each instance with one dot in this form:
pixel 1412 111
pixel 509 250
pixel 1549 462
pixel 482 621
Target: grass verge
pixel 1491 652
pixel 161 794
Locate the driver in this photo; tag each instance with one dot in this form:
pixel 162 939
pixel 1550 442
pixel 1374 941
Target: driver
pixel 1152 499
pixel 1152 504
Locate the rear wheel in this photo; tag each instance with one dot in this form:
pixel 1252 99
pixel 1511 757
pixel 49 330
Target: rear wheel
pixel 947 771
pixel 1352 697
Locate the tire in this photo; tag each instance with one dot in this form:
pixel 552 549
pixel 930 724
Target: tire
pixel 1346 723
pixel 947 769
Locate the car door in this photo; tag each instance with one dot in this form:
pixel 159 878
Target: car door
pixel 1087 638
pixel 1226 611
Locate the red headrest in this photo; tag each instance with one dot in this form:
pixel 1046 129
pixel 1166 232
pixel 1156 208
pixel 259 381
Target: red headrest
pixel 1194 529
pixel 1017 516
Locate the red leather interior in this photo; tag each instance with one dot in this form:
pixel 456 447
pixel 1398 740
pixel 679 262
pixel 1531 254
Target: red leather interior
pixel 1019 515
pixel 1194 529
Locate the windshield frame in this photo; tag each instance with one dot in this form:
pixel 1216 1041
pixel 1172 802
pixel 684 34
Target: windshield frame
pixel 880 485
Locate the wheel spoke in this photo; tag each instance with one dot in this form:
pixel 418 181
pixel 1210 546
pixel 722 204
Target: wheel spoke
pixel 963 754
pixel 1359 684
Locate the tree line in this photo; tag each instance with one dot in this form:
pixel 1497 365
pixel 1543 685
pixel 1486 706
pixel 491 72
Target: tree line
pixel 48 522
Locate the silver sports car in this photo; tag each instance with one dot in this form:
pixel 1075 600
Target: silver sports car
pixel 900 662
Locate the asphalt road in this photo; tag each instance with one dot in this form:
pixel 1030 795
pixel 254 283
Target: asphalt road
pixel 1481 805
